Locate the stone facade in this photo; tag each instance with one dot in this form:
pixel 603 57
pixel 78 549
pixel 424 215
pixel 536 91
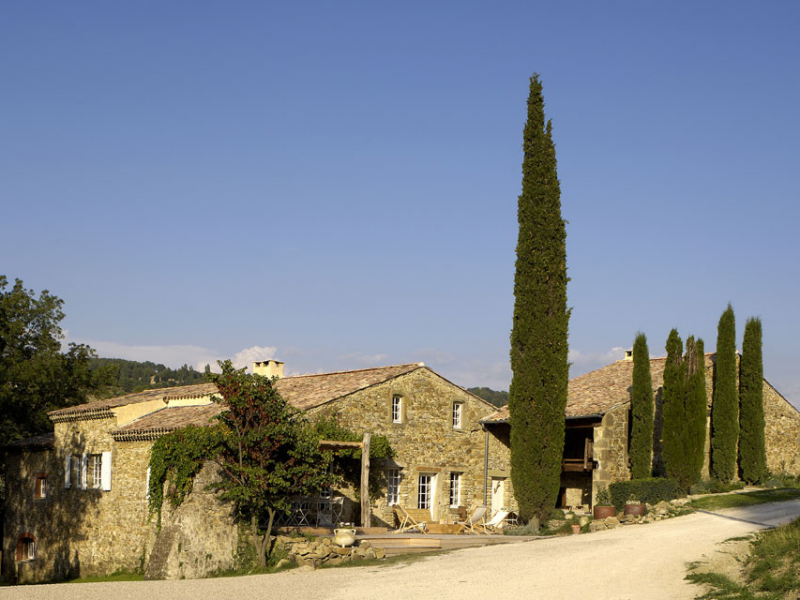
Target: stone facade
pixel 425 440
pixel 80 529
pixel 782 433
pixel 611 449
pixel 85 530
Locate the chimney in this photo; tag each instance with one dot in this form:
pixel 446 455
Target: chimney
pixel 628 354
pixel 268 368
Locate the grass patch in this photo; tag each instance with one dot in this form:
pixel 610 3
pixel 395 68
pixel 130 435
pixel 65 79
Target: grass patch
pixel 746 499
pixel 772 569
pixel 117 576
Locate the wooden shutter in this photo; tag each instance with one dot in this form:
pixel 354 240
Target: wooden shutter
pixel 67 471
pixel 105 475
pixel 84 470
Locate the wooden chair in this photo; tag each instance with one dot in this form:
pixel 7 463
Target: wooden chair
pixel 406 522
pixel 475 520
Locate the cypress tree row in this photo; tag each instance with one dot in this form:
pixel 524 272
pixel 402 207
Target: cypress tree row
pixel 752 450
pixel 696 407
pixel 538 392
pixel 725 407
pixel 641 411
pixel 673 393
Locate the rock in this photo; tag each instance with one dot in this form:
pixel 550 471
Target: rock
pixel 370 553
pixel 302 549
pixel 555 523
pixel 609 521
pixel 327 541
pixel 365 544
pixel 341 551
pixel 380 552
pixel 584 520
pixel 284 562
pixel 680 501
pixel 568 516
pixel 663 505
pixel 596 526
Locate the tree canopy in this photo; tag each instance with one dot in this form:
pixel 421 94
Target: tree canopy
pixel 36 376
pixel 642 409
pixel 725 407
pixel 752 448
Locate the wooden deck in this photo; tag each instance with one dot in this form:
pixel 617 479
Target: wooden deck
pixel 413 543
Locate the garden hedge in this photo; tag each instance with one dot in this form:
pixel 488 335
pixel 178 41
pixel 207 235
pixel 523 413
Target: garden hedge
pixel 650 490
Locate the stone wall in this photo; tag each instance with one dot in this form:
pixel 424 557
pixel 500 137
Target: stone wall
pixel 611 449
pixel 196 538
pixel 78 531
pixel 425 442
pixel 782 433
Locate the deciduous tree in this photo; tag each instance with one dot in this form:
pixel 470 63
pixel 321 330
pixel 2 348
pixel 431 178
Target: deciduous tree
pixel 538 393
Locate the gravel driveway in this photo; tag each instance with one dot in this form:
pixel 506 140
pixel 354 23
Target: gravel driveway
pixel 632 562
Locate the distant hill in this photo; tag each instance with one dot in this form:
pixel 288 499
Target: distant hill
pixel 134 376
pixel 497 398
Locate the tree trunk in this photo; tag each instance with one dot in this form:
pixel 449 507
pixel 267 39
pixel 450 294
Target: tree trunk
pixel 261 542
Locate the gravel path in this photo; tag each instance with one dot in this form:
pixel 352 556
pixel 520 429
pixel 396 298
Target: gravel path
pixel 633 562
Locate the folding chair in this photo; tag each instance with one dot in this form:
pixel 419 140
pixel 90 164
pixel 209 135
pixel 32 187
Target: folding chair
pixel 475 520
pixel 406 521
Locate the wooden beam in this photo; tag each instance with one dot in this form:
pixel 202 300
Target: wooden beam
pixel 337 445
pixel 366 513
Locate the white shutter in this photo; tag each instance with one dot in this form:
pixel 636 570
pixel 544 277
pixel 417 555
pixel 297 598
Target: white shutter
pixel 147 486
pixel 67 471
pixel 105 467
pixel 84 470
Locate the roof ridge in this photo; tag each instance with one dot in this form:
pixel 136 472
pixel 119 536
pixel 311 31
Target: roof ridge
pixel 418 364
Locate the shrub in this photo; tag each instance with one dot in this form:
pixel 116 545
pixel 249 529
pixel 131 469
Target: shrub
pixel 650 490
pixel 603 498
pixel 715 486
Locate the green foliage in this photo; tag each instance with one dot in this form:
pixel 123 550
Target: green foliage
pixel 641 411
pixel 268 451
pixel 715 486
pixel 752 447
pixel 346 463
pixel 499 399
pixel 717 502
pixel 650 490
pixel 538 393
pixel 35 375
pixel 176 458
pixel 603 497
pixel 725 407
pixel 134 376
pixel 684 410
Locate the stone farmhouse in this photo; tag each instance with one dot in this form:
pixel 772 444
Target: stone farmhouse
pixel 598 431
pixel 77 498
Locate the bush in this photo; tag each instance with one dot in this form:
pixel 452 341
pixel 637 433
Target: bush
pixel 650 491
pixel 715 486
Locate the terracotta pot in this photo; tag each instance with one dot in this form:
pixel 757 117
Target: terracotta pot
pixel 601 512
pixel 636 510
pixel 576 529
pixel 344 537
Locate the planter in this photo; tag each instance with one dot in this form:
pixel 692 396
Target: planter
pixel 635 510
pixel 602 512
pixel 576 528
pixel 344 537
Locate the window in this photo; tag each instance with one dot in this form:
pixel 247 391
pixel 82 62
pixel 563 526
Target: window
pixel 26 547
pixel 425 491
pixel 80 471
pixel 393 486
pixel 397 409
pixel 40 487
pixel 96 466
pixel 457 410
pixel 455 490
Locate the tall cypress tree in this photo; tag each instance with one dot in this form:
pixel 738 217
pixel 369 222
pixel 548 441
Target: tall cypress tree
pixel 674 407
pixel 641 411
pixel 538 392
pixel 752 450
pixel 696 408
pixel 725 407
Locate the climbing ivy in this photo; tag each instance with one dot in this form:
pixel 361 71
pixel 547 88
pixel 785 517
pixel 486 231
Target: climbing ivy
pixel 346 463
pixel 176 458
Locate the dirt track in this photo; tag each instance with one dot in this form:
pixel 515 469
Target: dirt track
pixel 646 562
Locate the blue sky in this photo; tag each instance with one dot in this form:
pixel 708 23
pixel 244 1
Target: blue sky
pixel 335 184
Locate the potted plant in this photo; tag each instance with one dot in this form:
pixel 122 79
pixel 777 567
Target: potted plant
pixel 634 507
pixel 602 507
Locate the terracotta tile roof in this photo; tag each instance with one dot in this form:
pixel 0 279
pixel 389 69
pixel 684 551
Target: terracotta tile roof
pixel 165 420
pixel 598 392
pixel 302 391
pixel 44 441
pixel 105 406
